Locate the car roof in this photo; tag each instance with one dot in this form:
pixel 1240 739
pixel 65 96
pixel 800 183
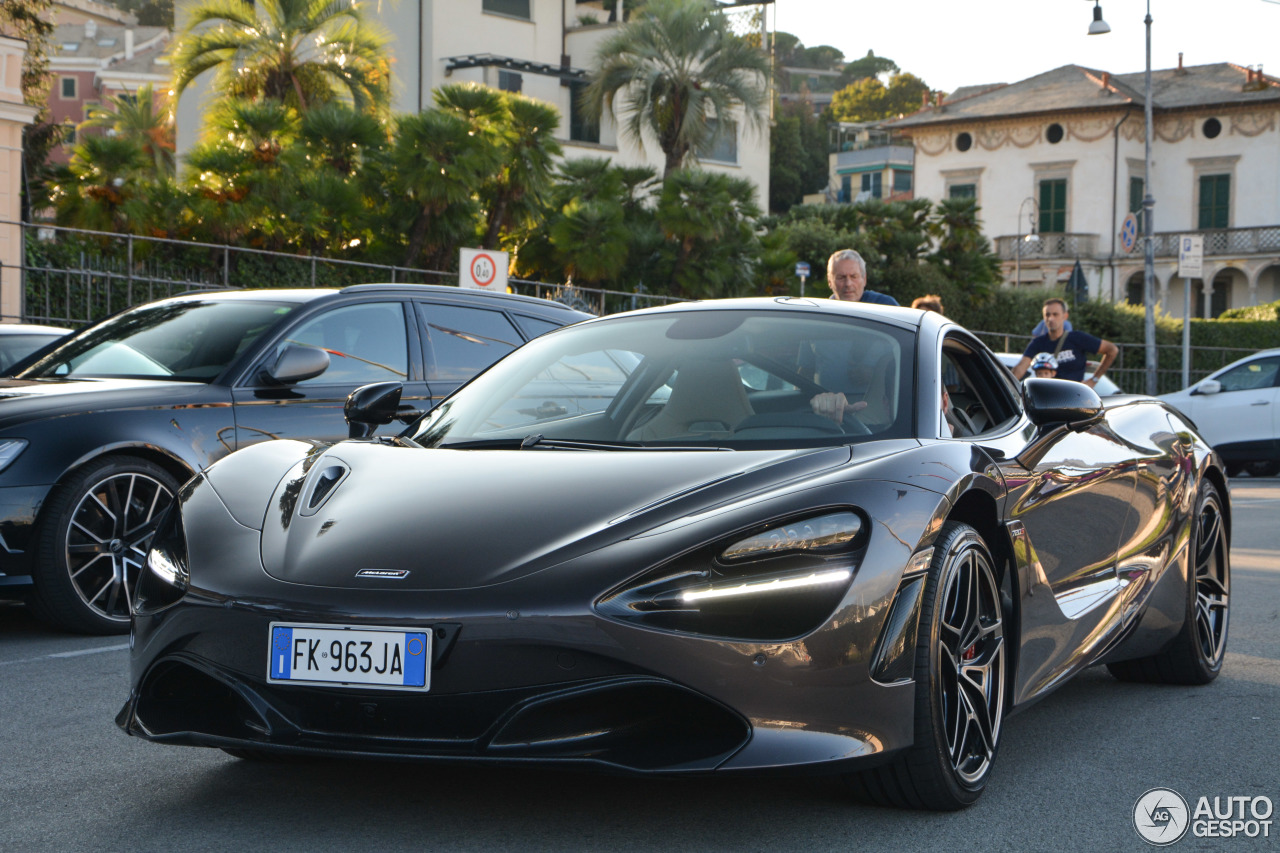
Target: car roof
pixel 31 329
pixel 309 294
pixel 912 318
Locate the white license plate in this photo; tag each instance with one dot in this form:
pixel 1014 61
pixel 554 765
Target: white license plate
pixel 350 656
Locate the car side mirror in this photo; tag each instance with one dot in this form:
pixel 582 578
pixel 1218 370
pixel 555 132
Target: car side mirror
pixel 370 406
pixel 1058 402
pixel 1208 386
pixel 297 363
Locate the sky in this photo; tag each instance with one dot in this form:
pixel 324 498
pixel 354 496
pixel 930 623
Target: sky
pixel 950 44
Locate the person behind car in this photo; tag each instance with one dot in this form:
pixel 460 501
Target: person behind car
pixel 1070 349
pixel 836 366
pixel 1044 365
pixel 928 302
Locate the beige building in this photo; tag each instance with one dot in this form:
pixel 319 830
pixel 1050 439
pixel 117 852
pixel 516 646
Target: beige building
pixel 14 116
pixel 1061 156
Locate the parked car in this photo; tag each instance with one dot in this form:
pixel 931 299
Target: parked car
pixel 97 434
pixel 1235 409
pixel 724 581
pixel 19 340
pixel 1105 387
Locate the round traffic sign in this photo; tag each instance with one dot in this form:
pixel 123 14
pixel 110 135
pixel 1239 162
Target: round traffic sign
pixel 483 270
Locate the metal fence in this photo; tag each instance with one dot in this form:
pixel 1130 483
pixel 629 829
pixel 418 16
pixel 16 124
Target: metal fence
pixel 72 276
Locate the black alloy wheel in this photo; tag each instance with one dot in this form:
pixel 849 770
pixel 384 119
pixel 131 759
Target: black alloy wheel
pixel 93 542
pixel 1196 654
pixel 960 674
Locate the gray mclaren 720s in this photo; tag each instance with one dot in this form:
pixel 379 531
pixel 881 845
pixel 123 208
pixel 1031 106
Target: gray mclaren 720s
pixel 709 538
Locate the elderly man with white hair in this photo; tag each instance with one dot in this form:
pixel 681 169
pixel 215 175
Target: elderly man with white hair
pixel 847 277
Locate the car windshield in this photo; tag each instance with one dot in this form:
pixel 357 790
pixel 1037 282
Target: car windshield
pixel 696 378
pixel 191 340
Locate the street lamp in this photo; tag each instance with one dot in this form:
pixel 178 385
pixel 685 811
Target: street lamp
pixel 1098 27
pixel 1031 239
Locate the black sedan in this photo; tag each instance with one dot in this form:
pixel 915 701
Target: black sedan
pixel 713 560
pixel 97 434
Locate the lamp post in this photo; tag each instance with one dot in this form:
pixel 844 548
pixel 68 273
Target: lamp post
pixel 1031 239
pixel 1098 27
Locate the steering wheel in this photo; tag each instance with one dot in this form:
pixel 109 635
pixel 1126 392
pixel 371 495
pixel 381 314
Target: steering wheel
pixel 852 425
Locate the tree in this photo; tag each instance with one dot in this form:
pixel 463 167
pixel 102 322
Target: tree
pixel 798 159
pixel 135 117
pixel 710 220
pixel 103 174
pixel 301 52
pixel 963 252
pixel 867 67
pixel 523 131
pixel 871 100
pixel 680 74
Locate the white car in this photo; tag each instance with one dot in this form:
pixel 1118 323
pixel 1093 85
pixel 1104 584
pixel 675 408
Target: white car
pixel 18 340
pixel 1105 386
pixel 1235 409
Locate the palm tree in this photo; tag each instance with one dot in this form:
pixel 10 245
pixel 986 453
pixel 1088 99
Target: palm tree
pixel 101 177
pixel 135 117
pixel 302 52
pixel 681 74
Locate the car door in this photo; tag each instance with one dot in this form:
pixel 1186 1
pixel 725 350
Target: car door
pixel 1245 409
pixel 366 341
pixel 459 341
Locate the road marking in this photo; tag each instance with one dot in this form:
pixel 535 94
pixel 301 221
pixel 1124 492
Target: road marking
pixel 73 654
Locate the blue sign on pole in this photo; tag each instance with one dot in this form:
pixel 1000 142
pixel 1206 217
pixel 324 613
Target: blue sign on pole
pixel 802 269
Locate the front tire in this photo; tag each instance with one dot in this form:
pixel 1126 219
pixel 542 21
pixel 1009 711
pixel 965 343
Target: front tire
pixel 960 675
pixel 1196 654
pixel 94 536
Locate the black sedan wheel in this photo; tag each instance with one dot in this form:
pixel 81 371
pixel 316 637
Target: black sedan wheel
pixel 960 684
pixel 94 539
pixel 1195 656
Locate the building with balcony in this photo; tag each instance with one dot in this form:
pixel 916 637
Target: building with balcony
pixel 1061 156
pixel 539 48
pixel 868 161
pixel 92 62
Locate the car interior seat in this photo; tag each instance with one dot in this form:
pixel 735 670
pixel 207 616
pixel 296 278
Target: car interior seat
pixel 880 409
pixel 708 398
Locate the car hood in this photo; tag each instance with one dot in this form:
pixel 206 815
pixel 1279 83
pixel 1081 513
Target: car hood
pixel 25 399
pixel 458 519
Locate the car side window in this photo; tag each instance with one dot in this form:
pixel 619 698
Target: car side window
pixel 366 343
pixel 1260 373
pixel 531 327
pixel 462 341
pixel 978 395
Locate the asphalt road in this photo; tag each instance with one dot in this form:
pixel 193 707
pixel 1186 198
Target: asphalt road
pixel 1067 778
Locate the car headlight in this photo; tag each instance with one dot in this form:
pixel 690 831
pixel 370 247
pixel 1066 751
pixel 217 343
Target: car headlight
pixel 10 448
pixel 165 575
pixel 775 583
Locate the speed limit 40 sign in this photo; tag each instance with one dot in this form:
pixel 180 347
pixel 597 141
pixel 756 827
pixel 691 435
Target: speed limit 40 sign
pixel 483 269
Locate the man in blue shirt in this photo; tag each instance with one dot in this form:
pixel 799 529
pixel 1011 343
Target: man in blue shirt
pixel 847 278
pixel 837 365
pixel 1069 349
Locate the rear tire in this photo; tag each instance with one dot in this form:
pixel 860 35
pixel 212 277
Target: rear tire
pixel 95 532
pixel 1195 655
pixel 960 676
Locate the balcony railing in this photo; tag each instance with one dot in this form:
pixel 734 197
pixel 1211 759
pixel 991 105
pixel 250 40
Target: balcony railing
pixel 1259 240
pixel 1048 246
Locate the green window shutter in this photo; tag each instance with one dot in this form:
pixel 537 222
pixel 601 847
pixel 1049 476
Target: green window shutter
pixel 962 191
pixel 1053 206
pixel 1215 201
